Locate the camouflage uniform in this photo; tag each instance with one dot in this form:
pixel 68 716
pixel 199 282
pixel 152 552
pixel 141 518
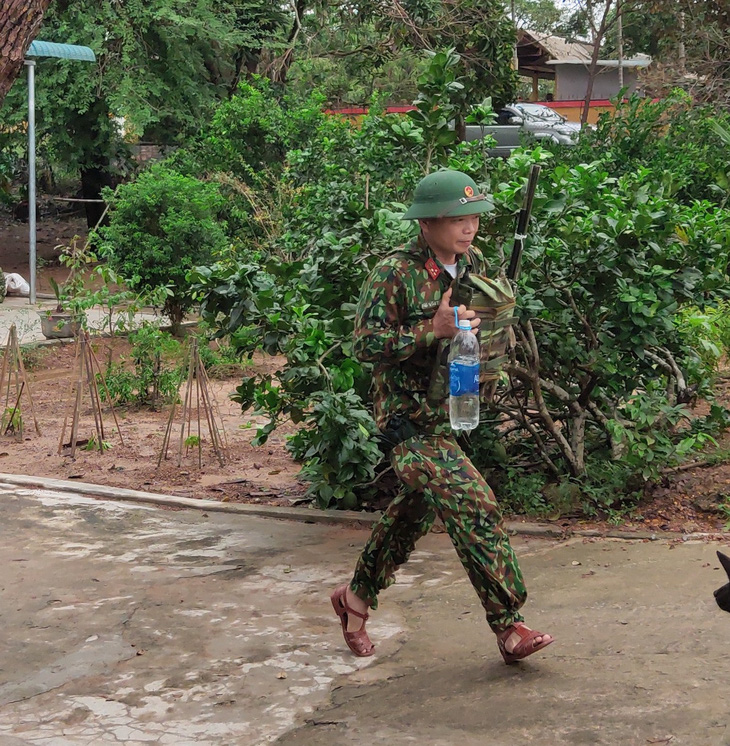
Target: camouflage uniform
pixel 394 331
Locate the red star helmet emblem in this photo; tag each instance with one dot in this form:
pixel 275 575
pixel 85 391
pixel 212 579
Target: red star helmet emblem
pixel 468 191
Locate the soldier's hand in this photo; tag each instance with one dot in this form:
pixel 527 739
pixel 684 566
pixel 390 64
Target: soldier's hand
pixel 444 326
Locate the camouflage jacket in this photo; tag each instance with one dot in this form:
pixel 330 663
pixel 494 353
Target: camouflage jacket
pixel 394 331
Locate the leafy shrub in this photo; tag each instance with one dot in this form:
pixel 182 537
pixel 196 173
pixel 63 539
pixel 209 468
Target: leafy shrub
pixel 707 331
pixel 11 165
pixel 673 138
pixel 156 371
pixel 604 367
pixel 162 225
pixel 11 421
pixel 252 132
pixel 244 151
pixel 339 450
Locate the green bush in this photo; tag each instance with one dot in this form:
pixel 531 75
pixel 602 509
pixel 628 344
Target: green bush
pixel 605 367
pixel 252 132
pixel 677 141
pixel 707 331
pixel 160 226
pixel 609 263
pixel 155 373
pixel 11 165
pixel 243 150
pixel 339 450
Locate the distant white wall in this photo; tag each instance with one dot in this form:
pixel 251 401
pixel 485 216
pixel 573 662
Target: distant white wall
pixel 571 82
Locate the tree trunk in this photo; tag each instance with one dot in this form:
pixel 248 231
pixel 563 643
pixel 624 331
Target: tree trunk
pixel 19 23
pixel 600 34
pixel 281 70
pixel 460 127
pixel 93 179
pixel 93 129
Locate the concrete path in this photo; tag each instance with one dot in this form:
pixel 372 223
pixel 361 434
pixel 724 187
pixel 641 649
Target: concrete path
pixel 128 624
pixel 16 310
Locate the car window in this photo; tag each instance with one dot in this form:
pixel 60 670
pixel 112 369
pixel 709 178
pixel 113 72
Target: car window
pixel 537 112
pixel 503 116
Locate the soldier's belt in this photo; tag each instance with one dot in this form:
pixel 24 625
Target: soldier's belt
pixel 398 429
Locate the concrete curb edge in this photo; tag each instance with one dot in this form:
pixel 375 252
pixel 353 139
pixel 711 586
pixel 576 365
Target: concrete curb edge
pixel 310 515
pixel 307 515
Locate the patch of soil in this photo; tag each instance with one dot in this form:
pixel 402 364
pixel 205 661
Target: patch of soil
pixel 53 230
pixel 687 501
pixel 255 475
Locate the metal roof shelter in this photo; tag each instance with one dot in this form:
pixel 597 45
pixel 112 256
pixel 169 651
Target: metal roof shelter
pixel 547 57
pixel 60 51
pixel 535 50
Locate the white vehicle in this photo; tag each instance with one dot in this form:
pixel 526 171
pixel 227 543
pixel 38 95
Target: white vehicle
pixel 518 123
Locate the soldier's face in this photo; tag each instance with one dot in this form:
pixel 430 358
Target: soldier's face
pixel 450 237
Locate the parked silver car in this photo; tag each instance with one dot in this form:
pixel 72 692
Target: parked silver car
pixel 518 123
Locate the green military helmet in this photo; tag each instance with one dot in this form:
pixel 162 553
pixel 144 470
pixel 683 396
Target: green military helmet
pixel 447 193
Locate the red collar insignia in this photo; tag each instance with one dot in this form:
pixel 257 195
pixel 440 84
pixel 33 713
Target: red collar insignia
pixel 433 269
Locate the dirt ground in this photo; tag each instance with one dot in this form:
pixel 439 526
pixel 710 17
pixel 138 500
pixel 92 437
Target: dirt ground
pixel 686 501
pixel 54 230
pixel 264 474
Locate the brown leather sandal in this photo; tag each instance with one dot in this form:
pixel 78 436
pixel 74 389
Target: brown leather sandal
pixel 526 646
pixel 358 641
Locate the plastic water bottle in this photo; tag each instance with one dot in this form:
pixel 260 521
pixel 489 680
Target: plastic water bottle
pixel 464 379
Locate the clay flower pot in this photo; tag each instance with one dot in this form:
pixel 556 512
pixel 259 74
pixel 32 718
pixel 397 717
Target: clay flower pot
pixel 59 324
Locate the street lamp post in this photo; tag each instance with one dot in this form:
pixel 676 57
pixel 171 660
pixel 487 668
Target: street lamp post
pixel 42 49
pixel 31 178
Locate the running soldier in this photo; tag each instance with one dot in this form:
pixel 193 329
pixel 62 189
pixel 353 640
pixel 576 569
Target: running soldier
pixel 404 321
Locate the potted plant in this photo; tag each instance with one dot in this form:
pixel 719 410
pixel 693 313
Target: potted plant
pixel 59 323
pixel 68 317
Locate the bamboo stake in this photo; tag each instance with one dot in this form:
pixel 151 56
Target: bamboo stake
pixel 185 411
pixel 216 410
pixel 206 409
pixel 202 400
pixel 6 357
pixel 212 429
pixel 197 392
pixel 9 357
pixel 79 396
pixel 95 403
pixel 170 427
pixel 18 391
pixel 106 391
pixel 168 431
pixel 86 377
pixel 70 399
pixel 21 365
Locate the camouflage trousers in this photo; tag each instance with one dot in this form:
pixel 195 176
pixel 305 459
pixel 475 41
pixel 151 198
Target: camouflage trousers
pixel 441 480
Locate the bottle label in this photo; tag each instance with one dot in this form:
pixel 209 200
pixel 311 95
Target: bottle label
pixel 463 378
